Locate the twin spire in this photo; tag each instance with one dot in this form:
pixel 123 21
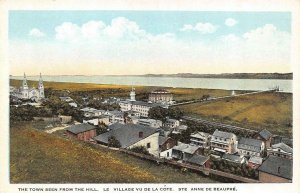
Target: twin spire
pixel 25 85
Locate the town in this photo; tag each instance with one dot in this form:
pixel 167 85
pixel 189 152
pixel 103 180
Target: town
pixel 154 128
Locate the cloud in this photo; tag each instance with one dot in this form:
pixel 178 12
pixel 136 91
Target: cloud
pixel 230 22
pixel 67 31
pixel 203 28
pixel 92 29
pixel 36 33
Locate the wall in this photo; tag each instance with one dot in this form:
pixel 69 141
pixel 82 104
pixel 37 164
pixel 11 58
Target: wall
pixel 153 140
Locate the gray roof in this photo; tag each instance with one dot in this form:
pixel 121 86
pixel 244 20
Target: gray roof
pixel 198 159
pixel 190 149
pixel 80 128
pixel 284 147
pixel 200 135
pixel 234 158
pixel 223 134
pixel 256 160
pixel 265 134
pixel 142 103
pixel 126 134
pixel 180 146
pixel 278 166
pixel 162 140
pixel 250 144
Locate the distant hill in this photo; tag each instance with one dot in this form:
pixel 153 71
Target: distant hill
pixel 228 75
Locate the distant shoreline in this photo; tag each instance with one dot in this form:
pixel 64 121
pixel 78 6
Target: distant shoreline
pixel 280 76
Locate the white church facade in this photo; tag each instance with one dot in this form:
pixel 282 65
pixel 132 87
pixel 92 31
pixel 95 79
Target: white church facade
pixel 25 92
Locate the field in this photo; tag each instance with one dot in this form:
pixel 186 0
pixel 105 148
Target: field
pixel 267 110
pixel 38 157
pixel 179 93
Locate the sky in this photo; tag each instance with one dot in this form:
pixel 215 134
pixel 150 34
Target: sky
pixel 143 42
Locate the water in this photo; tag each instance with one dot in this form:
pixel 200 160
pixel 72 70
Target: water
pixel 210 83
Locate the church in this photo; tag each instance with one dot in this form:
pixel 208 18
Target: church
pixel 26 93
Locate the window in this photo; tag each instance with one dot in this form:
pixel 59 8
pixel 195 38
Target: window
pixel 148 145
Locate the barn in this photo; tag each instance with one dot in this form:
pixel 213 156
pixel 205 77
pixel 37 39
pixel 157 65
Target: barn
pixel 82 131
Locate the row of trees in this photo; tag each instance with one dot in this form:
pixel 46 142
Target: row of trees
pixel 160 113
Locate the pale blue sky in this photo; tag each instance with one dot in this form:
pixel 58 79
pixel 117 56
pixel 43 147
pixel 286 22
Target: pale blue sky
pixel 140 42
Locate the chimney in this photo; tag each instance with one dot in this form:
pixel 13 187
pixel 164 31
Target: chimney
pixel 278 170
pixel 141 134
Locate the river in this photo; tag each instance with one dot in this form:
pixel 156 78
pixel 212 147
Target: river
pixel 210 83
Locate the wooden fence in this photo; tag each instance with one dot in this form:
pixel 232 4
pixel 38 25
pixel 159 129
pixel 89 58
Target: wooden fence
pixel 205 171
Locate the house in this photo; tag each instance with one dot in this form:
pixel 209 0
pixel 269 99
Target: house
pixel 184 151
pixel 103 119
pixel 254 162
pixel 223 142
pixel 250 147
pixel 276 170
pixel 280 150
pixel 116 117
pixel 132 135
pixel 93 121
pixel 179 129
pixel 172 123
pixel 150 122
pixel 73 104
pixel 166 143
pixel 91 112
pixel 65 119
pixel 280 139
pixel 265 136
pixel 66 99
pixel 199 160
pixel 165 146
pixel 82 131
pixel 234 158
pixel 200 139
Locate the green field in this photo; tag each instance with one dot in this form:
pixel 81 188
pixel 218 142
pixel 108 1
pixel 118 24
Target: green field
pixel 38 157
pixel 179 93
pixel 273 111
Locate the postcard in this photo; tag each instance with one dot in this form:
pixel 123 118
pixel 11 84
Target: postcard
pixel 161 96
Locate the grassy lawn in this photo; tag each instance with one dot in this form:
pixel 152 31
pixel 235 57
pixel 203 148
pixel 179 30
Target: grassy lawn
pixel 38 157
pixel 268 110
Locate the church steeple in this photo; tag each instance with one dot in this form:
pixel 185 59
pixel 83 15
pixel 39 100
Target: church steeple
pixel 41 87
pixel 132 94
pixel 24 84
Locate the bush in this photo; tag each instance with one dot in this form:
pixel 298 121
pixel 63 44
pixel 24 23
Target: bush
pixel 140 149
pixel 113 142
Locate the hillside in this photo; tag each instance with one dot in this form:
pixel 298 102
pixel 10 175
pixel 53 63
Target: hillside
pixel 38 157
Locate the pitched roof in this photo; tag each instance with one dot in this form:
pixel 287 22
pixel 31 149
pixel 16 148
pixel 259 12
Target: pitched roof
pixel 278 166
pixel 265 134
pixel 223 134
pixel 198 159
pixel 231 157
pixel 284 147
pixel 126 134
pixel 250 144
pixel 256 160
pixel 190 149
pixel 162 140
pixel 80 128
pixel 200 135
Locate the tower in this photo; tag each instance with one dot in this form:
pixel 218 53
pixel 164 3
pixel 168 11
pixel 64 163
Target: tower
pixel 41 87
pixel 24 84
pixel 132 94
pixel 24 88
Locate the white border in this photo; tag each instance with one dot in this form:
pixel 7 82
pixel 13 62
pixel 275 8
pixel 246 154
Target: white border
pixel 200 5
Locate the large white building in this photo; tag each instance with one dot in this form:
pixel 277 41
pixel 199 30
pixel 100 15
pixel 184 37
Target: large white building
pixel 138 106
pixel 25 92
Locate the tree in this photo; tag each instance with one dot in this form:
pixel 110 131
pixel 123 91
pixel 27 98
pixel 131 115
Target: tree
pixel 113 142
pixel 140 149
